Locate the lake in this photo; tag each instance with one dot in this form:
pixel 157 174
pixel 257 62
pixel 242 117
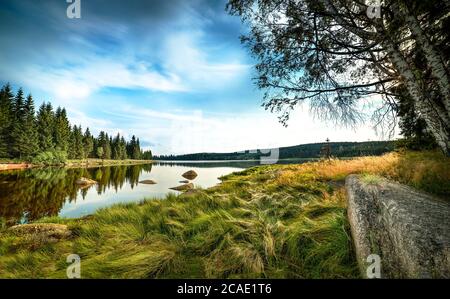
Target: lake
pixel 27 195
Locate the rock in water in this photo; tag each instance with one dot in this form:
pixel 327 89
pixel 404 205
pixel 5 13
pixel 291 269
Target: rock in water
pixel 409 230
pixel 190 175
pixel 85 182
pixel 184 187
pixel 148 182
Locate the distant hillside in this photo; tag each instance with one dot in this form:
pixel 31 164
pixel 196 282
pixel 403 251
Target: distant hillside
pixel 313 150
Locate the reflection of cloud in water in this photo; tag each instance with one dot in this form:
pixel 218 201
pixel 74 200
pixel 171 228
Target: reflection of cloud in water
pixel 165 177
pixel 35 193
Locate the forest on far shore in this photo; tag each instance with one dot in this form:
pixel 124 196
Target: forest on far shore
pixel 47 136
pixel 313 150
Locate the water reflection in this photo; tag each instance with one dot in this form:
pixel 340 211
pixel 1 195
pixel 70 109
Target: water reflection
pixel 31 194
pixel 27 195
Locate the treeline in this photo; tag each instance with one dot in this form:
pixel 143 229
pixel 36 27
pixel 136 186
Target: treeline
pixel 47 134
pixel 313 150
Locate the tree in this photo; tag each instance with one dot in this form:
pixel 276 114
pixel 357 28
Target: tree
pixel 61 134
pixel 6 118
pixel 17 128
pixel 133 148
pixel 116 155
pixel 100 152
pixel 48 138
pixel 123 148
pixel 147 155
pixel 336 56
pixel 78 145
pixel 45 127
pixel 103 142
pixel 25 133
pixel 88 142
pixel 413 127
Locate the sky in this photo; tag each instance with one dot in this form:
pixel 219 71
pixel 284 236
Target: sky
pixel 173 73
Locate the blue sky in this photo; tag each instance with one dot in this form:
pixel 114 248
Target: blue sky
pixel 172 72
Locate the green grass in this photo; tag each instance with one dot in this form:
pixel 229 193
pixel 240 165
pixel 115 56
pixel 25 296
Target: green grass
pixel 371 179
pixel 279 221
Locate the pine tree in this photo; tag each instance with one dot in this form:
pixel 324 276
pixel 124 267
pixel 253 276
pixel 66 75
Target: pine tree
pixel 61 132
pixel 110 143
pixel 131 147
pixel 104 143
pixel 25 133
pixel 71 151
pixel 116 147
pixel 45 127
pixel 107 147
pixel 88 142
pixel 123 149
pixel 95 147
pixel 147 155
pixel 137 150
pixel 18 105
pixel 78 143
pixel 17 128
pixel 6 102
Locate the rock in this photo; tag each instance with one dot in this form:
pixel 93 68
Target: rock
pixel 184 187
pixel 85 182
pixel 148 182
pixel 408 229
pixel 49 232
pixel 190 175
pixel 184 182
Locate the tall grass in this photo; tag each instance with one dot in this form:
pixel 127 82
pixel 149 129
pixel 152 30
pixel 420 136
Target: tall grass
pixel 264 222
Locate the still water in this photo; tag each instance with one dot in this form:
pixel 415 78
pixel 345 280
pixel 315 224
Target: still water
pixel 27 195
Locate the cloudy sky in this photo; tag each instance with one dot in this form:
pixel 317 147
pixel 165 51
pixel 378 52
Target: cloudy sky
pixel 171 72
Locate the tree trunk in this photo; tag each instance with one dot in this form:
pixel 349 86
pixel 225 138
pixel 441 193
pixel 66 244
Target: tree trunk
pixel 436 124
pixel 435 62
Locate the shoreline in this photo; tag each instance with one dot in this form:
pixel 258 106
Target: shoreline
pixel 5 166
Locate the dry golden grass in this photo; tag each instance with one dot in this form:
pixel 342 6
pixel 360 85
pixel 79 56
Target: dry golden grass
pixel 429 170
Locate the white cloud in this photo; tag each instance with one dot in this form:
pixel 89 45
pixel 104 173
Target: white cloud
pixel 81 82
pixel 193 131
pixel 184 55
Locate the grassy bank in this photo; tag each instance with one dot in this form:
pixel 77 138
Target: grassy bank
pixel 275 221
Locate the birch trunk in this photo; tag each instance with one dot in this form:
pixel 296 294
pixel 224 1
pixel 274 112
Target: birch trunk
pixel 435 62
pixel 422 104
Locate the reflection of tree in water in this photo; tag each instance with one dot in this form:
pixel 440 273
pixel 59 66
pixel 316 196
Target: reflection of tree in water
pixel 31 194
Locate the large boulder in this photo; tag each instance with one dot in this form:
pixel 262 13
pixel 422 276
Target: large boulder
pixel 190 175
pixel 408 229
